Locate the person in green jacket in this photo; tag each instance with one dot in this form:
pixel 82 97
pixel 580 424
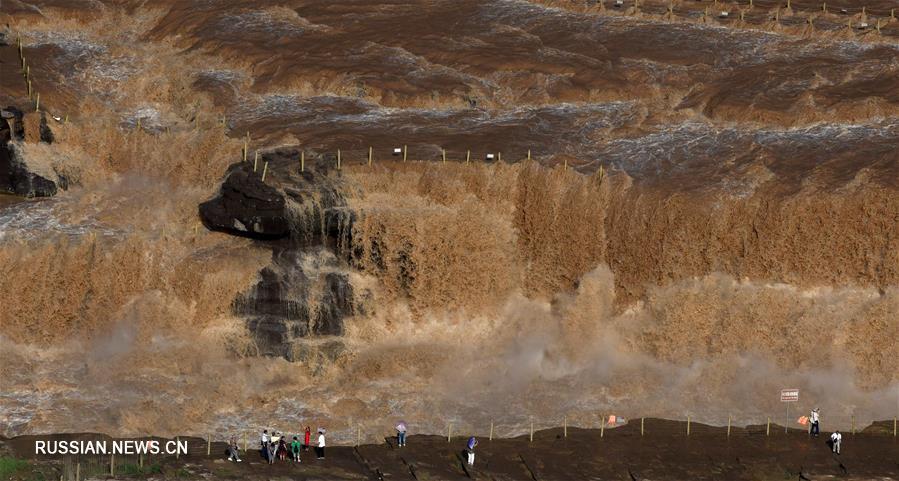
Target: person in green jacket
pixel 295 448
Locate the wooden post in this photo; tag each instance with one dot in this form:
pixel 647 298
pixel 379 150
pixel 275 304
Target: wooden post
pixel 529 154
pixel 532 431
pixel 338 159
pixel 405 151
pixel 641 426
pixel 256 161
pixel 264 170
pixel 852 424
pixel 788 3
pixel 209 436
pixel 37 103
pixel 302 161
pixel 688 425
pixel 565 427
pixel 138 123
pixel 444 155
pixel 177 451
pixel 112 465
pixel 358 435
pixel 894 426
pixel 566 164
pixel 66 120
pixel 78 472
pixel 499 157
pixel 140 460
pixel 491 431
pixel 467 156
pixel 29 89
pixel 602 426
pixel 768 427
pixel 824 7
pixel 449 432
pixel 728 426
pixel 369 156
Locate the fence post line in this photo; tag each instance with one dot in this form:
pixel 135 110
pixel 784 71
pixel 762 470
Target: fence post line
pixel 256 161
pixel 209 436
pixel 499 156
pixel 264 170
pixel 112 465
pixel 491 430
pixel 894 426
pixel 338 159
pixel 444 155
pixel 529 154
pixel 78 472
pixel 177 450
pixel 467 156
pixel 358 435
pixel 602 425
pixel 532 431
pixel 641 426
pixel 405 151
pixel 688 425
pixel 246 148
pixel 303 161
pixel 449 432
pixel 369 156
pixel 140 460
pixel 768 427
pixel 565 427
pixel 728 425
pixel 37 103
pixel 566 164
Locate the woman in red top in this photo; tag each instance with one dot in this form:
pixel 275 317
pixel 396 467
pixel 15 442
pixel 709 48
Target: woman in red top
pixel 306 439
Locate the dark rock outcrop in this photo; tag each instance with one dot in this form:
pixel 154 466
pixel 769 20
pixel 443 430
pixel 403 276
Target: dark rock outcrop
pixel 246 206
pixel 290 303
pixel 16 176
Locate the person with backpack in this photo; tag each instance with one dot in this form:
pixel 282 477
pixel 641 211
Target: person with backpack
pixel 295 449
pixel 472 442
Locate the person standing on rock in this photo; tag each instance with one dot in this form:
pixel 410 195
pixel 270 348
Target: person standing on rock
pixel 472 442
pixel 813 428
pixel 401 434
pixel 320 448
pixel 295 449
pixel 835 439
pixel 264 443
pixel 306 439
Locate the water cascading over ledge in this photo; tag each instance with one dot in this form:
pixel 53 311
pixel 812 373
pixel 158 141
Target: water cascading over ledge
pixel 297 308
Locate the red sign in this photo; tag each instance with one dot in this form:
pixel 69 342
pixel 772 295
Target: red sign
pixel 789 395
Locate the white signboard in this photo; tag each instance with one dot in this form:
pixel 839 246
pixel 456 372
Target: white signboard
pixel 789 395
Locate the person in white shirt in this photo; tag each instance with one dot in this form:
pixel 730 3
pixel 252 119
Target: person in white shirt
pixel 320 449
pixel 813 428
pixel 835 439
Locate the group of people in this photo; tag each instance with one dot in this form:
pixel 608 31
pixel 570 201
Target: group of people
pixel 279 446
pixel 814 429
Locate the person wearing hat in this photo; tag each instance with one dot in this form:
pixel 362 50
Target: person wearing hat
pixel 813 428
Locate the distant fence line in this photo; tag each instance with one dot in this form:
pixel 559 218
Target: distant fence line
pixel 79 467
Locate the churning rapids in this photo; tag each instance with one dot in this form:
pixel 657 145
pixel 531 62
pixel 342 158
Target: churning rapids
pixel 689 214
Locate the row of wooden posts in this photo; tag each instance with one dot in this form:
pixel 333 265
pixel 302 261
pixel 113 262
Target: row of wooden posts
pixel 449 438
pixel 637 4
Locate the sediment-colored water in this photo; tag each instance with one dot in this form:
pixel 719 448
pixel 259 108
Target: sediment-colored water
pixel 710 216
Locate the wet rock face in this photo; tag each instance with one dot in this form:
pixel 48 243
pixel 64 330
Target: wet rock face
pixel 293 301
pixel 246 206
pixel 16 176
